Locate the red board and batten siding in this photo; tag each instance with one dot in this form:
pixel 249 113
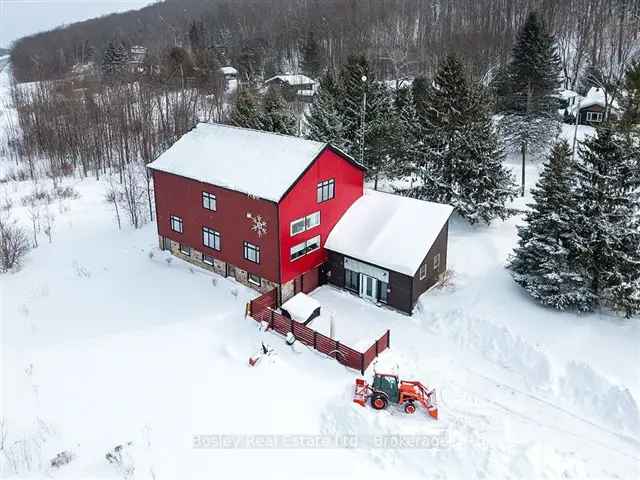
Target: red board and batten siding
pixel 301 201
pixel 182 197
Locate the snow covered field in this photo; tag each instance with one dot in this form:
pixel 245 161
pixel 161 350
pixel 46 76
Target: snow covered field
pixel 104 342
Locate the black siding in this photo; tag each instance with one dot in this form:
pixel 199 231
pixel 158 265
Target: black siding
pixel 438 247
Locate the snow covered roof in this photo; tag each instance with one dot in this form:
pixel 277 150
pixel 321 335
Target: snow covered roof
pixel 292 79
pixel 301 306
pixel 389 231
pixel 228 70
pixel 236 158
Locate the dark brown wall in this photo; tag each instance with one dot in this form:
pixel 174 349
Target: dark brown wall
pixel 400 296
pixel 439 246
pixel 592 108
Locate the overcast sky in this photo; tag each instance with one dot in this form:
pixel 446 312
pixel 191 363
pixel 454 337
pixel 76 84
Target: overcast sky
pixel 23 17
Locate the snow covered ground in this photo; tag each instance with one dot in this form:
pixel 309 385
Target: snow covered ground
pixel 104 341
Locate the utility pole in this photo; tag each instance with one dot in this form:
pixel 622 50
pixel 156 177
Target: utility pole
pixel 362 120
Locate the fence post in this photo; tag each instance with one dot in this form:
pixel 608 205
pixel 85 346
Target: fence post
pixel 388 338
pixel 362 364
pixel 271 319
pixel 315 334
pixel 336 349
pixel 377 347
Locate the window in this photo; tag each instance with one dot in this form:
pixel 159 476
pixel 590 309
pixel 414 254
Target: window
pixel 326 190
pixel 297 226
pixel 176 224
pixel 312 220
pixel 298 251
pixel 351 280
pixel 254 279
pixel 251 252
pixel 382 291
pixel 594 117
pixel 207 259
pixel 423 271
pixel 436 262
pixel 303 248
pixel 185 250
pixel 211 238
pixel 209 201
pixel 305 223
pixel 166 243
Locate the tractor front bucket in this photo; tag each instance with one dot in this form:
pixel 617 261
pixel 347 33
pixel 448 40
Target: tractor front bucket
pixel 361 392
pixel 432 404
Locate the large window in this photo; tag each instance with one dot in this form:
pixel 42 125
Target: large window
pixel 209 201
pixel 251 252
pixel 305 223
pixel 176 224
pixel 351 280
pixel 303 248
pixel 326 190
pixel 211 238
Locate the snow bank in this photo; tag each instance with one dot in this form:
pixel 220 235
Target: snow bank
pixel 497 344
pixel 595 395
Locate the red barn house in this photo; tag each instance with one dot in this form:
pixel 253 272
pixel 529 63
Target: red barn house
pixel 261 207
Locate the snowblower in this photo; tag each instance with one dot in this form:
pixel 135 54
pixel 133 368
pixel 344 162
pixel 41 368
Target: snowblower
pixel 388 388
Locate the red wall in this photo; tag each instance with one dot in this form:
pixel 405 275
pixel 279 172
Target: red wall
pixel 301 201
pixel 183 197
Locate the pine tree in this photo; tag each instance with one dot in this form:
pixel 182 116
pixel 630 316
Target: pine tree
pixel 544 261
pixel 246 111
pixel 324 120
pixel 461 159
pixel 311 56
pixel 276 114
pixel 114 61
pixel 607 224
pixel 529 90
pixel 631 101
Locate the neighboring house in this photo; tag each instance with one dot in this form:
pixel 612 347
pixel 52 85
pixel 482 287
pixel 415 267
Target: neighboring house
pixel 230 76
pixel 295 87
pixel 591 110
pixel 263 208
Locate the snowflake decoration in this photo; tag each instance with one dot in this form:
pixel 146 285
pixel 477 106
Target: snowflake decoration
pixel 259 225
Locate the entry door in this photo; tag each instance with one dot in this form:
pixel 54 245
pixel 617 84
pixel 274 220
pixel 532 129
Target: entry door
pixel 368 287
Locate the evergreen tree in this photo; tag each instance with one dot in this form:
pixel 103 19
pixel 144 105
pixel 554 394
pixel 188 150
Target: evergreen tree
pixel 311 56
pixel 324 120
pixel 246 111
pixel 276 114
pixel 461 159
pixel 544 261
pixel 607 224
pixel 528 101
pixel 419 89
pixel 405 133
pixel 631 101
pixel 114 61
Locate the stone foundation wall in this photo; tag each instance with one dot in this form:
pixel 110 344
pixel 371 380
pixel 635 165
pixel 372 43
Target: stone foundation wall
pixel 288 290
pixel 220 267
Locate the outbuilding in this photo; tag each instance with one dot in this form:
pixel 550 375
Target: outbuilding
pixel 389 249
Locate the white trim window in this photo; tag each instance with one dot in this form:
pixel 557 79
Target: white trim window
pixel 423 271
pixel 297 226
pixel 176 224
pixel 303 224
pixel 594 116
pixel 251 252
pixel 436 262
pixel 207 259
pixel 312 220
pixel 185 250
pixel 254 279
pixel 305 247
pixel 209 201
pixel 325 190
pixel 210 238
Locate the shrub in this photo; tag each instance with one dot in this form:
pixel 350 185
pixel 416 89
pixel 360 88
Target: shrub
pixel 13 244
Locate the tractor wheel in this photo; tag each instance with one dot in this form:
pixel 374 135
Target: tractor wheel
pixel 379 402
pixel 409 408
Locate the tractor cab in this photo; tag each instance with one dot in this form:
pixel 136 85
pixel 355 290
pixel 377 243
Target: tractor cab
pixel 388 385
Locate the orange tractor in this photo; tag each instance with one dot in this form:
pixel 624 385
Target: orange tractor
pixel 387 388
